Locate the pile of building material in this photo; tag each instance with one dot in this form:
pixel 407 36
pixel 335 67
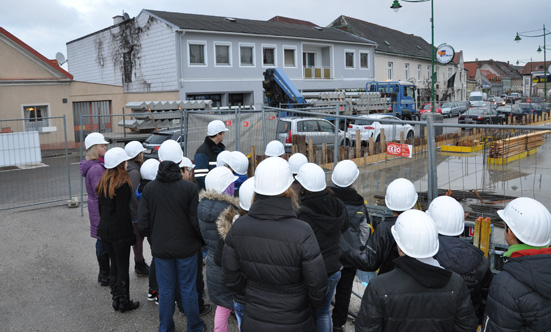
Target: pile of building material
pixel 514 148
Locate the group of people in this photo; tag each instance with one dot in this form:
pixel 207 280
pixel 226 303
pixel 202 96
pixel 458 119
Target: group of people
pixel 282 244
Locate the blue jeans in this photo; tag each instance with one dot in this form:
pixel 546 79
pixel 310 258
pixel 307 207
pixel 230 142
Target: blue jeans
pixel 323 313
pixel 170 273
pixel 239 309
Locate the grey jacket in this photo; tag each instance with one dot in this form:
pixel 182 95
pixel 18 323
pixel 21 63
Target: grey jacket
pixel 133 170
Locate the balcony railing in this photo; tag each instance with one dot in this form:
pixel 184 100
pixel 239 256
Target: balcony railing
pixel 322 73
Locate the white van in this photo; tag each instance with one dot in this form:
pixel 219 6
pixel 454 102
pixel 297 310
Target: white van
pixel 477 97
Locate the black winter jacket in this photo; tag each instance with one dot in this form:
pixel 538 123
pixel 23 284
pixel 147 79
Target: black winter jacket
pixel 275 257
pixel 416 297
pixel 520 295
pixel 205 160
pixel 355 237
pixel 328 218
pixel 115 223
pixel 211 206
pixel 380 252
pixel 168 214
pixel 133 170
pixel 468 261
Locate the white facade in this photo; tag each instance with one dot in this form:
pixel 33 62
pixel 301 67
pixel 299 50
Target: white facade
pixel 160 57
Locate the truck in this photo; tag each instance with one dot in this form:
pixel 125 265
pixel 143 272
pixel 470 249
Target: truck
pixel 393 97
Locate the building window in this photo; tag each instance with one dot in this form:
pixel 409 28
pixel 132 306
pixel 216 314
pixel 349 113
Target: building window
pixel 390 67
pixel 197 54
pixel 309 59
pixel 364 60
pixel 268 56
pixel 35 117
pixel 449 73
pixel 223 54
pixel 406 70
pixel 349 59
pixel 419 72
pixel 289 56
pixel 246 55
pixel 216 98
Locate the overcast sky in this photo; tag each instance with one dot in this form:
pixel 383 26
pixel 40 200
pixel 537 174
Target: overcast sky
pixel 482 29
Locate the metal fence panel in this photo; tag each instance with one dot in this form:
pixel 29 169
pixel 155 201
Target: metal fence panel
pixel 34 162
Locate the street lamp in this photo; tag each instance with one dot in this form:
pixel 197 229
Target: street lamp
pixel 545 33
pixel 396 6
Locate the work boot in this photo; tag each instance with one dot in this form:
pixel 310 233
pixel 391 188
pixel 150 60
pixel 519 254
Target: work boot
pixel 125 304
pixel 103 276
pixel 114 292
pixel 141 268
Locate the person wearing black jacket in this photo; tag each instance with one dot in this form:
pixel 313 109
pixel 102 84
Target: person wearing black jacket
pixel 328 218
pixel 115 225
pixel 457 254
pixel 274 257
pixel 418 294
pixel 205 156
pixel 168 214
pixel 344 175
pixel 381 250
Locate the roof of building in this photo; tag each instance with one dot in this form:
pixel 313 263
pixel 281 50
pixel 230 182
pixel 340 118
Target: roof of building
pixel 457 57
pixel 471 68
pixel 503 69
pixel 534 66
pixel 48 62
pixel 388 40
pixel 254 27
pixel 283 19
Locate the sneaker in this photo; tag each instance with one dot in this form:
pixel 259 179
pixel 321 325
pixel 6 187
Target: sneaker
pixel 152 295
pixel 141 268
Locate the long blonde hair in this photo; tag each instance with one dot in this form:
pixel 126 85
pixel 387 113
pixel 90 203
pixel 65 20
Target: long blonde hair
pixel 111 180
pixel 92 153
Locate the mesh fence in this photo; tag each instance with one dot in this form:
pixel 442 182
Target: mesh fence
pixel 34 162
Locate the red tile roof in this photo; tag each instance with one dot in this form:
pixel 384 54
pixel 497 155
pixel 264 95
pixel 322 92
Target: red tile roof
pixel 533 66
pixel 471 68
pixel 52 63
pixel 456 57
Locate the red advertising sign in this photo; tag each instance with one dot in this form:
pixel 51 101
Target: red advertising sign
pixel 228 123
pixel 471 231
pixel 271 117
pixel 245 123
pixel 400 150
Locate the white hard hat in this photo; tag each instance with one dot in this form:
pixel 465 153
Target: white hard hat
pixel 272 177
pixel 246 194
pixel 219 179
pixel 311 177
pixel 238 162
pixel 345 173
pixel 416 234
pixel 529 220
pixel 400 195
pixel 448 215
pixel 186 163
pixel 221 158
pixel 114 156
pixel 171 150
pixel 93 139
pixel 149 169
pixel 216 127
pixel 296 161
pixel 275 149
pixel 133 149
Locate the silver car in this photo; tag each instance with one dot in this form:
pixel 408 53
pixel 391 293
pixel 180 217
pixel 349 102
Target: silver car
pixel 318 129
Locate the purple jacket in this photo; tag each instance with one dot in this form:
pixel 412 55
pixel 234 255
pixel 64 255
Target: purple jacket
pixel 92 170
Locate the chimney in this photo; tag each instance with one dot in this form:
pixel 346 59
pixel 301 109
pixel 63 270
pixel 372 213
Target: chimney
pixel 117 19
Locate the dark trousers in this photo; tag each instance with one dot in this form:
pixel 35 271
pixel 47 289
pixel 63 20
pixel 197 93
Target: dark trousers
pixel 119 254
pixel 342 295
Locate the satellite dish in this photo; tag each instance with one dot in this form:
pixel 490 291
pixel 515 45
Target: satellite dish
pixel 126 16
pixel 60 58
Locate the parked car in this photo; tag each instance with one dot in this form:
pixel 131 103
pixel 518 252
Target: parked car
pixel 531 108
pixel 463 105
pixel 498 101
pixel 450 109
pixel 480 116
pixel 154 141
pixel 370 126
pixel 428 108
pixel 318 129
pixel 511 110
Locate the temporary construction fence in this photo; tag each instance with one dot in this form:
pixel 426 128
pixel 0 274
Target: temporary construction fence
pixel 34 162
